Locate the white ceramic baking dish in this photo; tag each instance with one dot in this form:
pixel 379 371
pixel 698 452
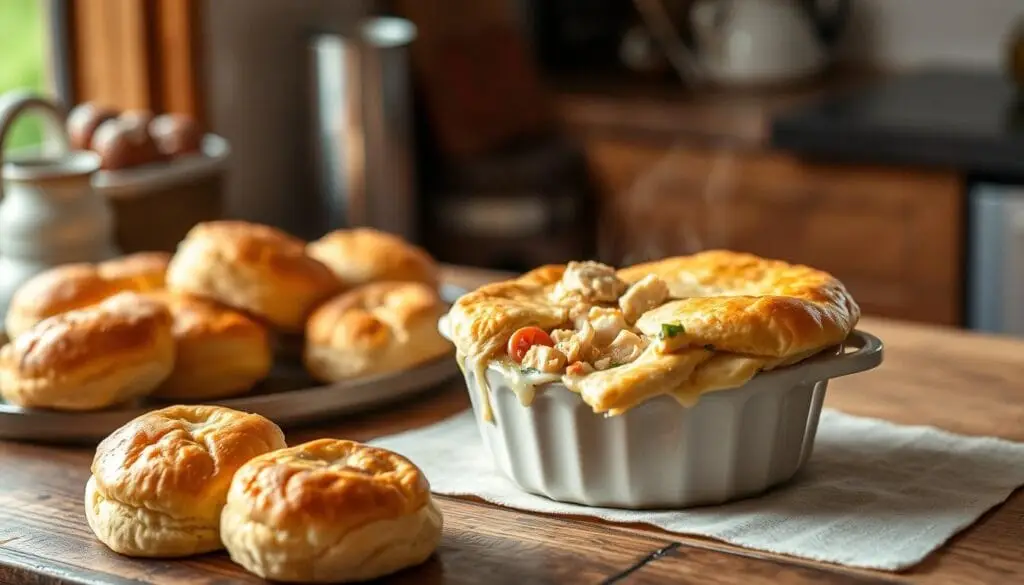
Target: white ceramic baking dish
pixel 729 445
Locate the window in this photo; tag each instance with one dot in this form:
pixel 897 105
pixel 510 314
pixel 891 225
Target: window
pixel 23 61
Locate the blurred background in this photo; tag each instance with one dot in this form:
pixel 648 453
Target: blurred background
pixel 882 140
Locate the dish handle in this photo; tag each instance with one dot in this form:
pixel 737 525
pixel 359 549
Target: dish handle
pixel 867 354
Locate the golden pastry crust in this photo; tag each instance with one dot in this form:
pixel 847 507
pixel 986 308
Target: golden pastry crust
pixel 362 255
pixel 220 352
pixel 688 324
pixel 159 483
pixel 376 328
pixel 329 511
pixel 91 358
pixel 745 304
pixel 141 271
pixel 253 268
pixel 75 286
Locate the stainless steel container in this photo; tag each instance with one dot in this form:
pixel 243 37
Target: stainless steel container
pixel 362 127
pixel 731 444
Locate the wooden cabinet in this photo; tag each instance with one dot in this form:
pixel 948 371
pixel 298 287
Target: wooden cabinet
pixel 892 235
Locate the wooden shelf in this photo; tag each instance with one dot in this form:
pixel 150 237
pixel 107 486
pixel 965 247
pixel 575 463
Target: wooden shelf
pixel 666 111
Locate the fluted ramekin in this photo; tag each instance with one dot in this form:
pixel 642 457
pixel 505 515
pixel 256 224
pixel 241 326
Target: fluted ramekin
pixel 731 444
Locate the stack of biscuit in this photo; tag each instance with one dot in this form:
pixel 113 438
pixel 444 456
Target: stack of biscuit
pixel 203 323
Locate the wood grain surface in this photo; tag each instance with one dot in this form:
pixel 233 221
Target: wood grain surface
pixel 963 382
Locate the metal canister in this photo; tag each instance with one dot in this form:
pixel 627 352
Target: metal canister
pixel 363 127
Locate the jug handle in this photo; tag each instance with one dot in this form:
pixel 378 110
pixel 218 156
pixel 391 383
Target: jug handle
pixel 660 25
pixel 15 103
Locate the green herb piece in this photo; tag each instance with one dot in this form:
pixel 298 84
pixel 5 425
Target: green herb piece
pixel 709 347
pixel 529 370
pixel 670 330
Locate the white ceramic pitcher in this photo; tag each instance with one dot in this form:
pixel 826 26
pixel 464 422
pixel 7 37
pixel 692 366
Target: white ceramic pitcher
pixel 49 213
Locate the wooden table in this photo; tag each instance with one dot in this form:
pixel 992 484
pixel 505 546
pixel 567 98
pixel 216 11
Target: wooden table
pixel 959 381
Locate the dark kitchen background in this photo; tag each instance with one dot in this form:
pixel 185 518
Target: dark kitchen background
pixel 882 140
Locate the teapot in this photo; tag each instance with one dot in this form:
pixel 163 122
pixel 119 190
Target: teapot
pixel 750 42
pixel 49 212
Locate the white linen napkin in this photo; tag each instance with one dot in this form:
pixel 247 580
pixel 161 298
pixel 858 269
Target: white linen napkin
pixel 874 494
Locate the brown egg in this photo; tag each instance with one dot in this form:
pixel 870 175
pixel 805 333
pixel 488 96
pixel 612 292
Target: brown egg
pixel 143 117
pixel 82 122
pixel 123 143
pixel 176 134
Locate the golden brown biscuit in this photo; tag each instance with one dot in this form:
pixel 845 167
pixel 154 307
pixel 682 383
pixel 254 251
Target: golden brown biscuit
pixel 219 352
pixel 363 255
pixel 74 286
pixel 159 482
pixel 376 328
pixel 55 291
pixel 681 326
pixel 90 358
pixel 253 268
pixel 329 511
pixel 141 271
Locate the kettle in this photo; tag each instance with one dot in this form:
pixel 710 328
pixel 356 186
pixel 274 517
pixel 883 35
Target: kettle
pixel 750 42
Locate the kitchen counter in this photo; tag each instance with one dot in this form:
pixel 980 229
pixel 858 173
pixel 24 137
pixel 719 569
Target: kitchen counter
pixel 964 119
pixel 959 381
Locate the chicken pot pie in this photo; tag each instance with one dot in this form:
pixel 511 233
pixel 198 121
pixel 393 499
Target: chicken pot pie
pixel 682 326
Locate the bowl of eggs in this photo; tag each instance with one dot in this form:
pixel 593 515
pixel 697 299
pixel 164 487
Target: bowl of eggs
pixel 161 173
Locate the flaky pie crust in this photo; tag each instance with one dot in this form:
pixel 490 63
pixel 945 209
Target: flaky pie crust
pixel 737 314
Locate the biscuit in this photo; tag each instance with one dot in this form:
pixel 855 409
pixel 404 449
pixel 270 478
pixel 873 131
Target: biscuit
pixel 91 358
pixel 219 352
pixel 374 329
pixel 362 255
pixel 253 268
pixel 159 482
pixel 329 511
pixel 74 286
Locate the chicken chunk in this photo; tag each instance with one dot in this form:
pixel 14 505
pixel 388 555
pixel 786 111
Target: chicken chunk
pixel 593 281
pixel 544 359
pixel 625 348
pixel 606 324
pixel 646 294
pixel 575 345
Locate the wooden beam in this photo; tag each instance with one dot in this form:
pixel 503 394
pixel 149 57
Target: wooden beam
pixel 137 54
pixel 178 38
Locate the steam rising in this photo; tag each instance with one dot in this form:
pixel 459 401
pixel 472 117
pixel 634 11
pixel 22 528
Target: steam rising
pixel 645 223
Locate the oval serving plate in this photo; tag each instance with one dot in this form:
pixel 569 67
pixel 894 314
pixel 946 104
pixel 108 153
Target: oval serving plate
pixel 284 397
pixel 289 397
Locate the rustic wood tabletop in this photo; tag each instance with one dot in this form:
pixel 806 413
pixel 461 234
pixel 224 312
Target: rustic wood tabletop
pixel 959 381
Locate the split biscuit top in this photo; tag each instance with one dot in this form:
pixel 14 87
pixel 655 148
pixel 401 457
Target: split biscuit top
pixel 681 326
pixel 374 329
pixel 363 255
pixel 159 482
pixel 253 268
